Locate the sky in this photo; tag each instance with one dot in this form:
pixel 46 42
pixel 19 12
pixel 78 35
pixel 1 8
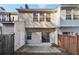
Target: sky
pixel 12 7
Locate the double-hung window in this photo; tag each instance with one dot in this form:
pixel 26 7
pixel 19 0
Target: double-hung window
pixel 29 35
pixel 76 15
pixel 68 14
pixel 35 17
pixel 48 17
pixel 41 17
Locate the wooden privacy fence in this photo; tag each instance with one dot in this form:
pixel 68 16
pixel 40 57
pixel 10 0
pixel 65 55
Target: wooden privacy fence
pixel 6 44
pixel 69 43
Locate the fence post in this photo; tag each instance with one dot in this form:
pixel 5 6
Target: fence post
pixel 77 45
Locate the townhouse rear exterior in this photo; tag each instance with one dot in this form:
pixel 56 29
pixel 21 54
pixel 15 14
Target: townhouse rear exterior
pixel 40 27
pixel 69 19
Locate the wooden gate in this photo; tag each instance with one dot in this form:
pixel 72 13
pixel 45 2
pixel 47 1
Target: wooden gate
pixel 69 43
pixel 6 44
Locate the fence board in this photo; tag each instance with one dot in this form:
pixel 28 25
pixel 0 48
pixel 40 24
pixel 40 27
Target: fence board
pixel 73 44
pixel 66 42
pixel 78 44
pixel 7 44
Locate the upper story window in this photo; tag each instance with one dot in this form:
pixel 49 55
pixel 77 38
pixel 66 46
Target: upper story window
pixel 48 17
pixel 35 17
pixel 71 14
pixel 76 15
pixel 41 17
pixel 68 14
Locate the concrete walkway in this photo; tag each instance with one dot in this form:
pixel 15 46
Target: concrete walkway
pixel 39 50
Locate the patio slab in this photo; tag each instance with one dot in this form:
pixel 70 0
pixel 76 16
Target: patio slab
pixel 39 50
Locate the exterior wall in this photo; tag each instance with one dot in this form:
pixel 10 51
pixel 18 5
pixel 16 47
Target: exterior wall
pixel 63 15
pixel 52 37
pixel 19 30
pixel 56 36
pixel 8 28
pixel 36 36
pixel 37 40
pixel 28 18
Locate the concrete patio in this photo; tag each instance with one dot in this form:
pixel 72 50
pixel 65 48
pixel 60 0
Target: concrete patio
pixel 46 50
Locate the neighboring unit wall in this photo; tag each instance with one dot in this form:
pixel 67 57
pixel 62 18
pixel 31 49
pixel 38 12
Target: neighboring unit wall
pixel 19 30
pixel 69 15
pixel 56 18
pixel 70 29
pixel 69 23
pixel 8 28
pixel 63 14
